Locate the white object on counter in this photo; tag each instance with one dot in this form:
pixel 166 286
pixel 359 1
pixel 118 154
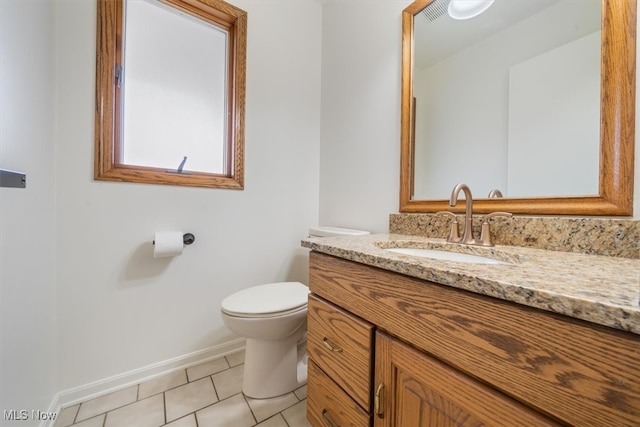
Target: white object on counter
pixel 335 231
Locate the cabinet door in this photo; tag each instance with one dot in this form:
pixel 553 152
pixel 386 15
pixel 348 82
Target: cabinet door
pixel 419 390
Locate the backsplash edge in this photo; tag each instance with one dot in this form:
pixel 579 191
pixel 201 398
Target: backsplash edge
pixel 616 237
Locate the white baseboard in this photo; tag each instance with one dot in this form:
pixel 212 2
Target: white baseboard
pixel 99 388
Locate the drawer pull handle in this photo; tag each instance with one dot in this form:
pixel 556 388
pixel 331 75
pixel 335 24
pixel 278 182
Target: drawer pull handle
pixel 331 346
pixel 379 401
pixel 326 419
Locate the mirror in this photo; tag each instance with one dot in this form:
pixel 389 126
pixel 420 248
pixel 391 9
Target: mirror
pixel 602 100
pixel 170 84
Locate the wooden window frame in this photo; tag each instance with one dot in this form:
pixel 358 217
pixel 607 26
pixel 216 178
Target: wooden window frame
pixel 108 108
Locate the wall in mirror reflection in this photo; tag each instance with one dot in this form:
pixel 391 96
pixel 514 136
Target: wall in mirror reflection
pixel 518 111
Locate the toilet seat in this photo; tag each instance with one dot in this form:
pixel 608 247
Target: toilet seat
pixel 263 315
pixel 269 300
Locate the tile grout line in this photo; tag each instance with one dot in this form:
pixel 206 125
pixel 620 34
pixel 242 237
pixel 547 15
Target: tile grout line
pixel 195 417
pixel 273 416
pixel 289 407
pixel 250 408
pixel 164 406
pixel 76 415
pixel 105 412
pixel 215 390
pixel 285 419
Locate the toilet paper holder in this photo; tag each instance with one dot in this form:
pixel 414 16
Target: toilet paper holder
pixel 187 239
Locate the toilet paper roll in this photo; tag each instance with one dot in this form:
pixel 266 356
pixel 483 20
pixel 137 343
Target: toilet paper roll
pixel 167 243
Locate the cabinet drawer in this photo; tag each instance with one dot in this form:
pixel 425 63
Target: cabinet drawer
pixel 328 404
pixel 341 345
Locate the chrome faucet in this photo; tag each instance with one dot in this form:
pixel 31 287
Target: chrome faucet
pixel 467 235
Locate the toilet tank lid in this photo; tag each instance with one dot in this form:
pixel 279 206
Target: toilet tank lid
pixel 266 299
pixel 335 231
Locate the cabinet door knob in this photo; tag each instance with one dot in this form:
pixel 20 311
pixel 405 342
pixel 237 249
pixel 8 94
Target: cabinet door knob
pixel 378 401
pixel 331 346
pixel 325 418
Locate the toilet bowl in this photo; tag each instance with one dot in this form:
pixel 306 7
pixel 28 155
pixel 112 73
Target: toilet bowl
pixel 273 319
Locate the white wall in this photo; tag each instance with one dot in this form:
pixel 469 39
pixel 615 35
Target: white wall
pixel 561 90
pixel 120 309
pixel 360 151
pixel 28 337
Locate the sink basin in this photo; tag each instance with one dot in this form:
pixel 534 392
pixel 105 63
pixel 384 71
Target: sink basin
pixel 446 256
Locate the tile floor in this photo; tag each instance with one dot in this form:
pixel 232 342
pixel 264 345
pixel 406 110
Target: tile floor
pixel 207 395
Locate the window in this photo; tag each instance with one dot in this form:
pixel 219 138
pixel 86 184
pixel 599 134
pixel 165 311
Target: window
pixel 170 92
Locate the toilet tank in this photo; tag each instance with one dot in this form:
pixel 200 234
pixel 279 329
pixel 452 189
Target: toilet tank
pixel 335 231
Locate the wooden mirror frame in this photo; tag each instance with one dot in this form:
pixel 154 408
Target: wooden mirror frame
pixel 617 127
pixel 108 106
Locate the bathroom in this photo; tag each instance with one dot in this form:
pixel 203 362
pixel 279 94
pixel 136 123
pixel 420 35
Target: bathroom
pixel 85 306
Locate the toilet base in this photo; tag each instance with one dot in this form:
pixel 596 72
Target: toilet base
pixel 274 368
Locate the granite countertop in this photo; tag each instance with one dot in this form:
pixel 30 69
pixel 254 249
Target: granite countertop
pixel 599 289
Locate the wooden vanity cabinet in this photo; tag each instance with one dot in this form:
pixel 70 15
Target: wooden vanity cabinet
pixel 447 357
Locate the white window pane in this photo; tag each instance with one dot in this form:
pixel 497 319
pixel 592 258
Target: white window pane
pixel 174 90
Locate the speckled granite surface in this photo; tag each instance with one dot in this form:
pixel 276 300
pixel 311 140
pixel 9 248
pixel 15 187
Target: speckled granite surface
pixel 596 236
pixel 599 289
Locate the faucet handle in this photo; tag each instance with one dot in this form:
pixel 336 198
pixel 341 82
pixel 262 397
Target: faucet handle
pixel 485 236
pixel 495 193
pixel 454 233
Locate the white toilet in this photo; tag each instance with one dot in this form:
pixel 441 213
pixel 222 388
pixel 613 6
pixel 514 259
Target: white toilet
pixel 273 319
